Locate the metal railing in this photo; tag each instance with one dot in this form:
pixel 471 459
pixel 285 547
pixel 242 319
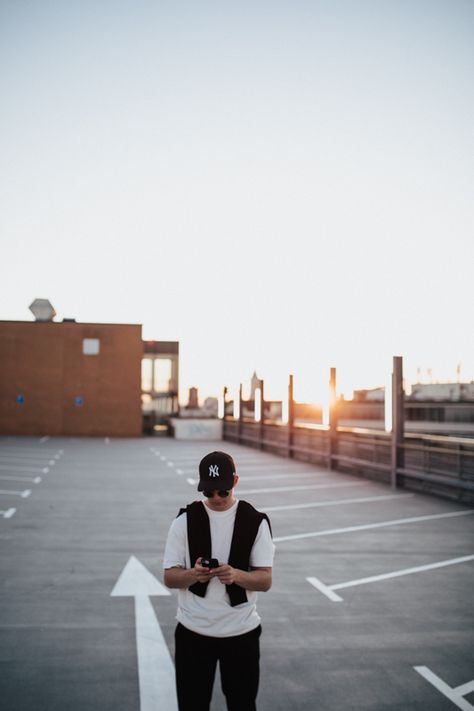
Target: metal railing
pixel 433 464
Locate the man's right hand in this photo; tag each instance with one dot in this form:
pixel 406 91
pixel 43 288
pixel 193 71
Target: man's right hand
pixel 182 578
pixel 201 573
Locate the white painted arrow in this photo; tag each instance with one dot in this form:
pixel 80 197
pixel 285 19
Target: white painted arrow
pixel 155 667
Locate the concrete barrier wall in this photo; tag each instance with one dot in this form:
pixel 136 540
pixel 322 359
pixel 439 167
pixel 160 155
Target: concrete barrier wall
pixel 196 428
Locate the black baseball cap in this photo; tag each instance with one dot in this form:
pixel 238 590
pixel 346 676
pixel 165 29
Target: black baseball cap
pixel 216 471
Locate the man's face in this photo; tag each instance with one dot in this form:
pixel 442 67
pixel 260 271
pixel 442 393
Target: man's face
pixel 219 503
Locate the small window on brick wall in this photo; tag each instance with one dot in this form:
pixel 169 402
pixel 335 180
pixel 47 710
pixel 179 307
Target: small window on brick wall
pixel 90 346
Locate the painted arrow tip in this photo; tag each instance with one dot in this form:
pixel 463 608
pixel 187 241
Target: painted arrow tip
pixel 136 581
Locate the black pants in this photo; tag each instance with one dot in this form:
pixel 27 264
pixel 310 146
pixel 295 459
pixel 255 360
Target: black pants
pixel 196 660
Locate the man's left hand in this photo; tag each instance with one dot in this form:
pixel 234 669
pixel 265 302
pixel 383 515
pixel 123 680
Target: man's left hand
pixel 226 574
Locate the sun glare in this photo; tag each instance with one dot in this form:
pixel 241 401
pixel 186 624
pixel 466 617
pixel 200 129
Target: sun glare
pixel 258 405
pixel 220 407
pixel 236 406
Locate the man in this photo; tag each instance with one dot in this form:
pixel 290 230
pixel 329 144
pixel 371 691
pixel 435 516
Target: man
pixel 217 616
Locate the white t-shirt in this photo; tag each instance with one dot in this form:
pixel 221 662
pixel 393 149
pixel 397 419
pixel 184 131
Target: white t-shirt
pixel 213 614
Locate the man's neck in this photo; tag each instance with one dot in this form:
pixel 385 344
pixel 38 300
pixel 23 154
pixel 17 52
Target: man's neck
pixel 220 504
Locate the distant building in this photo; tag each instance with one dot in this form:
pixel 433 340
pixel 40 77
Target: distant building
pixel 454 392
pixel 211 406
pixel 193 401
pixel 369 395
pixel 254 384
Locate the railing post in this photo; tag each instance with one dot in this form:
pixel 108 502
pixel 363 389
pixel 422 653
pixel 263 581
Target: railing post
pixel 291 417
pixel 224 395
pixel 240 423
pixel 398 420
pixel 262 414
pixel 332 447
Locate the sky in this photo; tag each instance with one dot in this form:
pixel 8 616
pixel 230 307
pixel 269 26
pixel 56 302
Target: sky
pixel 280 186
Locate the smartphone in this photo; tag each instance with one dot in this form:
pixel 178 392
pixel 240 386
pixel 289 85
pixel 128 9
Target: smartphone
pixel 210 563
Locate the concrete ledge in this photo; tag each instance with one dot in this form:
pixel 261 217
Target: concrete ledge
pixel 196 428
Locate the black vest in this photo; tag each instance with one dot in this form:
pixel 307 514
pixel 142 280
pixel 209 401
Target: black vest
pixel 247 522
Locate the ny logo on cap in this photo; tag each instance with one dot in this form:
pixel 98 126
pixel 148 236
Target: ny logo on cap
pixel 213 470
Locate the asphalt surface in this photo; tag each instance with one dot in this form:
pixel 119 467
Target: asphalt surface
pixel 66 643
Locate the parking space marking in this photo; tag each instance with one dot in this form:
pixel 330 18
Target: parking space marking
pixel 28 454
pixel 22 458
pixel 303 487
pixel 271 477
pixel 350 529
pixel 328 589
pixel 336 502
pixel 8 513
pixel 24 494
pixel 455 694
pixel 271 467
pixel 325 589
pixel 31 480
pixel 14 468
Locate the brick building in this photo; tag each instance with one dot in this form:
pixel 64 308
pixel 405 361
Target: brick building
pixel 70 378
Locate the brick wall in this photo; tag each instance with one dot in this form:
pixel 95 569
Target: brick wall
pixel 64 391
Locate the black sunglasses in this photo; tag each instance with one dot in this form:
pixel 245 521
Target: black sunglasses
pixel 209 492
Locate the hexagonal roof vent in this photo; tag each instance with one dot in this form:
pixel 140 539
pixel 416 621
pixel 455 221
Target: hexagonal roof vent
pixel 42 310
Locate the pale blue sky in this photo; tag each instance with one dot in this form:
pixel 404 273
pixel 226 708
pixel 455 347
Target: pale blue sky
pixel 283 186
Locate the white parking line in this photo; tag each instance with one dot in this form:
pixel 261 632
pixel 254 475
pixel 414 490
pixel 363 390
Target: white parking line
pixel 289 477
pixel 328 589
pixel 269 467
pixel 24 494
pixel 271 477
pixel 336 502
pixel 325 589
pixel 303 487
pixel 350 529
pixel 32 480
pixel 24 461
pixel 26 452
pixel 8 513
pixel 455 694
pixel 14 468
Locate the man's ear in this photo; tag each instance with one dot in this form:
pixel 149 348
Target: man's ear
pixel 236 480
